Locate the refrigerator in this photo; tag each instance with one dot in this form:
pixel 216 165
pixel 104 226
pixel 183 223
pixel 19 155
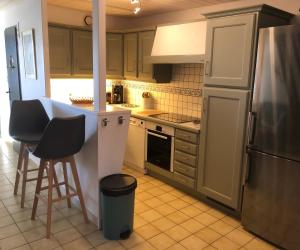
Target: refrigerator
pixel 271 198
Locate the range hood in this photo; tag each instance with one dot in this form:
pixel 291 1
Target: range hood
pixel 180 43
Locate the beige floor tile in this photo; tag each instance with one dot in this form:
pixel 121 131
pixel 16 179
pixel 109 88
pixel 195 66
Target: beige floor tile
pixel 189 199
pixel 60 225
pixel 191 211
pixel 178 233
pixel 206 219
pixel 193 243
pixel 177 246
pixel 138 222
pixel 96 238
pixel 54 217
pixel 154 202
pixel 76 219
pixel 226 244
pixel 161 241
pixel 67 235
pixel 143 246
pixel 3 212
pixel 163 224
pixel 192 225
pixel 178 204
pixel 177 193
pixel 167 188
pixel 210 248
pixel 86 228
pixel 221 227
pixel 231 221
pixel 69 211
pixel 216 213
pixel 157 191
pixel 202 206
pixel 165 209
pixel 256 244
pixel 141 207
pixel 208 235
pixel 35 234
pixel 178 217
pixel 150 215
pixel 45 244
pixel 12 242
pixel 111 245
pixel 167 197
pixel 148 231
pixel 239 237
pixel 8 231
pixel 29 224
pixel 143 196
pixel 79 244
pixel 24 247
pixel 132 241
pixel 5 221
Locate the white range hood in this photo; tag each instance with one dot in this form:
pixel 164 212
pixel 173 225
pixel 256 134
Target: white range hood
pixel 180 43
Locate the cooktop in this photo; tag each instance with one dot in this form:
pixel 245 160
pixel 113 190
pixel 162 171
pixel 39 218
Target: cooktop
pixel 176 118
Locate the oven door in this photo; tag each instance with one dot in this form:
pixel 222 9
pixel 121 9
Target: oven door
pixel 160 149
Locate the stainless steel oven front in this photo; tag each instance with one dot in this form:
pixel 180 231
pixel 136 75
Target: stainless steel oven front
pixel 160 145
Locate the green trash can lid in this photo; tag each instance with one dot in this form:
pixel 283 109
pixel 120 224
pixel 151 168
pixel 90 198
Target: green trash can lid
pixel 118 185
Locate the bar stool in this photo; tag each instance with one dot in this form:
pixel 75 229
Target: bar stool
pixel 28 120
pixel 62 139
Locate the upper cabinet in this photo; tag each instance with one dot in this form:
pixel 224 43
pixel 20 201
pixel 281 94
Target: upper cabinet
pixel 60 51
pixel 130 55
pixel 228 57
pixel 136 47
pixel 114 55
pixel 82 53
pixel 145 70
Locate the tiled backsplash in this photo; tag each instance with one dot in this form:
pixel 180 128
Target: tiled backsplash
pixel 183 95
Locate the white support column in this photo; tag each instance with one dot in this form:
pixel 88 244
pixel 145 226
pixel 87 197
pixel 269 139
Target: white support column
pixel 99 54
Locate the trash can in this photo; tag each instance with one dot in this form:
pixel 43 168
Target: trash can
pixel 117 205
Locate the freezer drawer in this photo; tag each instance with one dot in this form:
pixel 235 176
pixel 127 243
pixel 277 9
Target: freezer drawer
pixel 271 204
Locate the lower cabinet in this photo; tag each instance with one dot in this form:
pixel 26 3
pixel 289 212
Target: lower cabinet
pixel 223 126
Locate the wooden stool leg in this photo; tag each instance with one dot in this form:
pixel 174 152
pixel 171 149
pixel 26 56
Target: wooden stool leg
pixel 56 182
pixel 49 208
pixel 38 188
pixel 66 183
pixel 78 188
pixel 19 167
pixel 25 168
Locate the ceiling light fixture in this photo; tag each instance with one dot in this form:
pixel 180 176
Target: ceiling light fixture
pixel 136 6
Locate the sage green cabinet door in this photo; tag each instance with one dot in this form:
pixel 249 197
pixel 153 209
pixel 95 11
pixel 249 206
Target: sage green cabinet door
pixel 114 55
pixel 130 55
pixel 82 53
pixel 59 51
pixel 222 136
pixel 145 70
pixel 229 42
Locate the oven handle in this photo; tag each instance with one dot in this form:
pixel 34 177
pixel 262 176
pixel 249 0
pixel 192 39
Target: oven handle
pixel 157 135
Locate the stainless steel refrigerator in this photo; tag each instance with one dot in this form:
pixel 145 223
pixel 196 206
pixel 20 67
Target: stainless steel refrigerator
pixel 271 200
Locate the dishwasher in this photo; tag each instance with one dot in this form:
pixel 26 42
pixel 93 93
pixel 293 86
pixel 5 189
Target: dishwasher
pixel 135 147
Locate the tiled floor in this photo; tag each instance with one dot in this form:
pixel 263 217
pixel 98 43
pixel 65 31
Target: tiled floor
pixel 164 219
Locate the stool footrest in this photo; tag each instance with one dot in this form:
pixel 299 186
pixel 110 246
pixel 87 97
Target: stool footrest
pixel 32 170
pixel 54 185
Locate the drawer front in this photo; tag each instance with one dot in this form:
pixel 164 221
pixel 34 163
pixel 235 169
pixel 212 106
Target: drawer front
pixel 186 147
pixel 186 136
pixel 184 180
pixel 185 158
pixel 184 169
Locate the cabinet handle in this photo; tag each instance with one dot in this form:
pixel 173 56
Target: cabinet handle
pixel 207 68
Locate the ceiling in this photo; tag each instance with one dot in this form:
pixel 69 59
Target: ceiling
pixel 149 7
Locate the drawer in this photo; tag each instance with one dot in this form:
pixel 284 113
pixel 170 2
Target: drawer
pixel 185 158
pixel 184 180
pixel 186 136
pixel 186 147
pixel 184 169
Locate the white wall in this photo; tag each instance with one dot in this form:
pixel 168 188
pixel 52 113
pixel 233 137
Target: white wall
pixel 57 14
pixel 26 14
pixel 196 14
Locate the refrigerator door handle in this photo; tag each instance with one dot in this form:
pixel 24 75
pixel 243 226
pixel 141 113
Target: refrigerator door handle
pixel 252 125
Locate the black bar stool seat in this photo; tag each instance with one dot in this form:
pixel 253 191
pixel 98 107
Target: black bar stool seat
pixel 61 140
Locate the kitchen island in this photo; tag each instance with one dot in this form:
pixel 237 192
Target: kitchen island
pixel 103 151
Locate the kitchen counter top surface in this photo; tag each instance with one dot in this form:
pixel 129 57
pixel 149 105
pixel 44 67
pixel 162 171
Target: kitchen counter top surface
pixel 144 114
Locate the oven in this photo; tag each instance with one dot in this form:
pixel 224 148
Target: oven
pixel 160 145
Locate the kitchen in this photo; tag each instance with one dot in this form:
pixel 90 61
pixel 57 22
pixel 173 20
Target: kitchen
pixel 178 117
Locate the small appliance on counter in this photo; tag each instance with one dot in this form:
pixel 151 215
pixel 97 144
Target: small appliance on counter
pixel 117 94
